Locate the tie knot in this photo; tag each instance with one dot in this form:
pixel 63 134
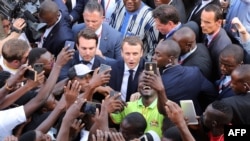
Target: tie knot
pixel 85 62
pixel 131 71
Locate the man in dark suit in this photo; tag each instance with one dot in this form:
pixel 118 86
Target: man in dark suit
pixel 216 37
pixel 86 45
pixel 57 31
pixel 167 21
pixel 230 58
pixel 195 14
pixel 193 54
pixel 182 82
pixel 109 39
pixel 130 66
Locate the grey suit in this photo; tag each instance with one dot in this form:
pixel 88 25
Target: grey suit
pixel 110 43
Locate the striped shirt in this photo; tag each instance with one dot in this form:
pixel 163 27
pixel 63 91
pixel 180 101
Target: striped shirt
pixel 140 24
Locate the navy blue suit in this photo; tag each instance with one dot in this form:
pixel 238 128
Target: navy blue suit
pixel 55 40
pixel 64 71
pixel 225 91
pixel 187 83
pixel 110 43
pixel 117 76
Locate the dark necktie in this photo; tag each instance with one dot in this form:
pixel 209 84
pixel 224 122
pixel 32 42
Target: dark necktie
pixel 130 85
pixel 85 62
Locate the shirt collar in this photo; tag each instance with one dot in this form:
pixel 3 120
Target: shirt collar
pixel 151 106
pixel 173 30
pixel 183 57
pixel 126 69
pixel 91 61
pixel 98 32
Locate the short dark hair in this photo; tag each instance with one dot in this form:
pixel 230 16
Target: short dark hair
pixel 137 120
pixel 93 5
pixel 225 109
pixel 35 54
pixel 28 136
pixel 14 49
pixel 87 33
pixel 233 50
pixel 243 71
pixel 132 40
pixel 216 9
pixel 166 13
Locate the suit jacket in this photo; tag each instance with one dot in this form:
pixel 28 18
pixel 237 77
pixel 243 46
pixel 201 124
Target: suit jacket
pixel 179 5
pixel 117 76
pixel 225 91
pixel 64 71
pixel 200 58
pixel 55 40
pixel 215 47
pixel 110 43
pixel 177 80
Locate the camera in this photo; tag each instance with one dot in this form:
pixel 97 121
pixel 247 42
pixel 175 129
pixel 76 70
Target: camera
pixel 26 9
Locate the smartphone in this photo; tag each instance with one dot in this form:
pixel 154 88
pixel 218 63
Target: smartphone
pixel 104 67
pixel 188 109
pixel 113 93
pixel 90 107
pixel 151 66
pixel 30 74
pixel 38 67
pixel 69 44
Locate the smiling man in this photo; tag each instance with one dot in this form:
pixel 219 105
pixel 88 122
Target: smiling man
pixel 131 64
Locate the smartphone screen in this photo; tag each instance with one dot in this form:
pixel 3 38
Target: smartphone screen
pixel 113 93
pixel 90 107
pixel 104 67
pixel 69 44
pixel 188 109
pixel 151 66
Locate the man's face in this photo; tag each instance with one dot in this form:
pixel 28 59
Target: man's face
pixel 131 54
pixel 93 20
pixel 84 81
pixel 86 48
pixel 162 28
pixel 160 57
pixel 159 2
pixel 237 83
pixel 144 90
pixel 227 64
pixel 208 23
pixel 208 116
pixel 24 58
pixel 132 5
pixel 127 130
pixel 185 43
pixel 6 26
pixel 48 61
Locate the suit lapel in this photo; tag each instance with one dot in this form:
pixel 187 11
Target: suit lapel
pixel 120 72
pixel 104 38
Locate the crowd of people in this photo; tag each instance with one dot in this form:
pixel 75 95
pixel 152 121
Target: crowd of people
pixel 116 70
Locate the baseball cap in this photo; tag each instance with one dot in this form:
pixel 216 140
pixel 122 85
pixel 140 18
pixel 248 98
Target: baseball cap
pixel 150 136
pixel 79 70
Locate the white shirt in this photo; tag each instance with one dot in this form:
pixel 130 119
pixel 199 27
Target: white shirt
pixel 125 80
pixel 91 62
pixel 5 67
pixel 98 32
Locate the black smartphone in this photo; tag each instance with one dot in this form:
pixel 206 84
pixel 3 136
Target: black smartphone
pixel 70 44
pixel 104 67
pixel 151 66
pixel 38 67
pixel 30 74
pixel 90 107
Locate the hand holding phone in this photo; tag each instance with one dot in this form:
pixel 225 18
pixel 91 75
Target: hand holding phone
pixel 38 67
pixel 188 109
pixel 90 107
pixel 30 74
pixel 104 67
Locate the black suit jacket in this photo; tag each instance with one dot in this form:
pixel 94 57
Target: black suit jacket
pixel 55 40
pixel 97 62
pixel 200 58
pixel 117 76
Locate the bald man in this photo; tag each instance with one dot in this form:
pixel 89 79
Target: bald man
pixel 181 82
pixel 57 31
pixel 193 54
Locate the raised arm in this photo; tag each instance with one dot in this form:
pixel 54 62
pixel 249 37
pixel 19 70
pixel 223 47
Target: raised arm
pixel 63 57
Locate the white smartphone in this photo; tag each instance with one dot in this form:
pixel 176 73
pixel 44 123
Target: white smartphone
pixel 188 109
